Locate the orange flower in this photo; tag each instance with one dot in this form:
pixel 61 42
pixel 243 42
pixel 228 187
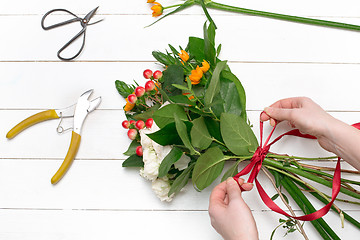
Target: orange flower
pixel 128 105
pixel 157 9
pixel 190 97
pixel 196 75
pixel 150 1
pixel 205 66
pixel 184 55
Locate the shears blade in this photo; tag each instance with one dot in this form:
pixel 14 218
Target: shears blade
pixel 90 15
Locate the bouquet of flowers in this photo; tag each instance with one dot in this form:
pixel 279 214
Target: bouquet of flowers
pixel 190 119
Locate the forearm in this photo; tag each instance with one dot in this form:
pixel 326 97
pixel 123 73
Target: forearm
pixel 342 140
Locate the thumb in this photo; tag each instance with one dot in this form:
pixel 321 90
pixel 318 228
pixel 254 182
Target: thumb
pixel 280 114
pixel 232 189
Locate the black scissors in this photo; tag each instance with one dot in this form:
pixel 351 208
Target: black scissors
pixel 84 23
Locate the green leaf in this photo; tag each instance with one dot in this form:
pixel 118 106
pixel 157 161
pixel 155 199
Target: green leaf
pixel 124 89
pixel 207 168
pixel 181 180
pixel 195 48
pixel 183 134
pixel 214 128
pixel 275 197
pixel 227 100
pixel 207 13
pixel 209 41
pixel 168 134
pixel 181 99
pixel 174 74
pixel 173 156
pixel 163 58
pixel 237 135
pixel 200 136
pixel 165 115
pixel 214 86
pixel 147 114
pixel 182 87
pixel 232 171
pixel 241 91
pixel 218 50
pixel 132 148
pixel 133 161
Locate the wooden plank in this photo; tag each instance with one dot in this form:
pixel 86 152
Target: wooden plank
pixel 106 185
pixel 252 39
pixel 104 138
pixel 347 8
pixel 79 225
pixel 58 84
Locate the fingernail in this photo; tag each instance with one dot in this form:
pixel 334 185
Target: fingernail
pixel 268 110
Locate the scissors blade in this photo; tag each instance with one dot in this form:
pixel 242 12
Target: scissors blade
pixel 90 14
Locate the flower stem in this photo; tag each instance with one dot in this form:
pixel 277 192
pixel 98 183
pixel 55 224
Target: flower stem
pixel 326 232
pixel 290 18
pixel 308 175
pixel 172 6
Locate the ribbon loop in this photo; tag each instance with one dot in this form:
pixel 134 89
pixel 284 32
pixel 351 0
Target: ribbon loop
pixel 255 165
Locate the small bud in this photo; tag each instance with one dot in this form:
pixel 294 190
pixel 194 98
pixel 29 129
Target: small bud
pixel 157 74
pixel 149 122
pixel 139 151
pixel 147 73
pixel 149 86
pixel 139 91
pixel 139 124
pixel 132 133
pixel 132 98
pixel 126 124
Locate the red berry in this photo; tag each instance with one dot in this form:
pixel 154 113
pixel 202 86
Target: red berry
pixel 157 74
pixel 147 73
pixel 149 122
pixel 149 86
pixel 132 98
pixel 132 133
pixel 132 122
pixel 139 124
pixel 139 91
pixel 139 151
pixel 126 124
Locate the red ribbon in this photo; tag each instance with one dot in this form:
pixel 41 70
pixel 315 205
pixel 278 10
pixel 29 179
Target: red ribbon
pixel 255 165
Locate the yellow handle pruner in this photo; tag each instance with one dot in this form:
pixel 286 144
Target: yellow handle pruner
pixel 79 111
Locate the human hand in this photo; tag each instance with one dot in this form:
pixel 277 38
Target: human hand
pixel 301 113
pixel 230 216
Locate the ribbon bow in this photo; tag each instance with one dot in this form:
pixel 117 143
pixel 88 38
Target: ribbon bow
pixel 255 165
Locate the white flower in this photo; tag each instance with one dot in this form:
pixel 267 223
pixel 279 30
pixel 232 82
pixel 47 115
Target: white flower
pixel 182 163
pixel 161 187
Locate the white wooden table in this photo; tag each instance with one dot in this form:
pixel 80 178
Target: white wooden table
pixel 97 198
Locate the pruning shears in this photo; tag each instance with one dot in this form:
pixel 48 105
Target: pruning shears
pixel 78 111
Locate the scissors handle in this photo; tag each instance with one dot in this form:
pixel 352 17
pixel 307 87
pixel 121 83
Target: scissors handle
pixel 82 32
pixel 76 19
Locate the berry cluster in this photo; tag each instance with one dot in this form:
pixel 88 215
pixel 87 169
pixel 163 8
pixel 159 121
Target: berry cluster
pixel 133 127
pixel 149 85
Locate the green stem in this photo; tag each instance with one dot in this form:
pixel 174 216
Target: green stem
pixel 309 176
pixel 290 18
pixel 330 176
pixel 217 141
pixel 307 207
pixel 273 155
pixel 172 6
pixel 323 200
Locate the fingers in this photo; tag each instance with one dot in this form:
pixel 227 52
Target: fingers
pixel 232 189
pixel 218 194
pixel 281 109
